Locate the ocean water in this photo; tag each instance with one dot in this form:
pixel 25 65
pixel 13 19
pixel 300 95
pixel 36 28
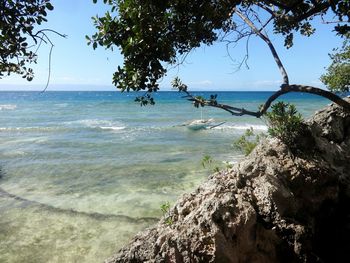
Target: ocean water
pixel 82 172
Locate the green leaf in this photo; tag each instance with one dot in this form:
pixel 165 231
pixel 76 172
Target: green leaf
pixel 49 6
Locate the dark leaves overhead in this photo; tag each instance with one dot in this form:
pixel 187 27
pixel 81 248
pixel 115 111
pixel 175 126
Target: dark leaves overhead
pixel 154 34
pixel 18 40
pixel 151 33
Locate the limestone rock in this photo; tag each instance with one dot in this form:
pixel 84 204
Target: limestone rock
pixel 274 206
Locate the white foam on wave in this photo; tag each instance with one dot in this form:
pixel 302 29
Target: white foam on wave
pixel 113 128
pixel 243 127
pixel 62 105
pixel 14 153
pixel 99 124
pixel 13 128
pixel 8 106
pixel 30 129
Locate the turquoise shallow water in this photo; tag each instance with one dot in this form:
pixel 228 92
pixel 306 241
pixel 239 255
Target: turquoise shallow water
pixel 81 172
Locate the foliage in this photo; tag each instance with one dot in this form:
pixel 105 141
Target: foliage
pixel 248 141
pixel 207 159
pixel 18 39
pixel 337 77
pixel 214 165
pixel 209 162
pixel 152 35
pixel 165 208
pixel 284 122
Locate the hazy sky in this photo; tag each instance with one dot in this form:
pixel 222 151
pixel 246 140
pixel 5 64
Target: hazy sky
pixel 76 66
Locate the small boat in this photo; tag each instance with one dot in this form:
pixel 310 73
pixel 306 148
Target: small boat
pixel 199 124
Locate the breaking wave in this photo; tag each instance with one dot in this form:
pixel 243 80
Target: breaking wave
pixel 8 107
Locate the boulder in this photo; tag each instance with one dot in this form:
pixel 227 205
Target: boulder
pixel 276 205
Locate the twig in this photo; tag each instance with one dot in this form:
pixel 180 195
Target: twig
pixel 269 43
pixel 44 35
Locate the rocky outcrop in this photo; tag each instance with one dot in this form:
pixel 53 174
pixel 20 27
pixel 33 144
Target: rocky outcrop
pixel 274 206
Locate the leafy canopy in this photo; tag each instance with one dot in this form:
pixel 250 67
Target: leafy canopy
pixel 337 77
pixel 285 123
pixel 248 141
pixel 155 34
pixel 18 38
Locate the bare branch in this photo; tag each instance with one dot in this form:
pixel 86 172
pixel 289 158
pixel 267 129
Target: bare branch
pixel 305 89
pixel 284 90
pixel 42 31
pixel 246 56
pixel 332 22
pixel 271 12
pixel 266 23
pixel 317 91
pixel 269 43
pixel 49 75
pixel 233 110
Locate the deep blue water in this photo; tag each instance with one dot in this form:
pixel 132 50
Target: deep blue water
pixel 101 153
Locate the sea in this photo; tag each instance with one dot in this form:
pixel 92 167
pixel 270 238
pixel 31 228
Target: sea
pixel 83 172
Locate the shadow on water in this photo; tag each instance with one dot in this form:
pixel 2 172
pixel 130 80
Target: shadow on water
pixel 72 212
pixel 2 173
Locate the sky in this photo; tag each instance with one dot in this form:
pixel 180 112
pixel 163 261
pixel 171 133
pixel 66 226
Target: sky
pixel 76 66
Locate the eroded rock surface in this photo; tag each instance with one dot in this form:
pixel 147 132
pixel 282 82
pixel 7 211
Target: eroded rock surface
pixel 274 206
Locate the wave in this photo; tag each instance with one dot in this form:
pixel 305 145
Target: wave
pixel 8 106
pixel 61 105
pixel 113 128
pixel 14 153
pixel 98 124
pixel 67 126
pixel 31 129
pixel 243 127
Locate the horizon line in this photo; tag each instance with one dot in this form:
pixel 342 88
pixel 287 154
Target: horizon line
pixel 141 91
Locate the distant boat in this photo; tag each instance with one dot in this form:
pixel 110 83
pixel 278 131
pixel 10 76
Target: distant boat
pixel 199 124
pixel 196 125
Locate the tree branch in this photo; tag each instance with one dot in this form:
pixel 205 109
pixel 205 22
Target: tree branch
pixel 318 8
pixel 317 91
pixel 269 43
pixel 285 88
pixel 50 30
pixel 271 12
pixel 232 110
pixel 305 89
pixel 276 3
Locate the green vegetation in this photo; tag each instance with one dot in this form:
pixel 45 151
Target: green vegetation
pixel 19 41
pixel 284 122
pixel 337 77
pixel 155 35
pixel 207 160
pixel 214 165
pixel 165 208
pixel 248 141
